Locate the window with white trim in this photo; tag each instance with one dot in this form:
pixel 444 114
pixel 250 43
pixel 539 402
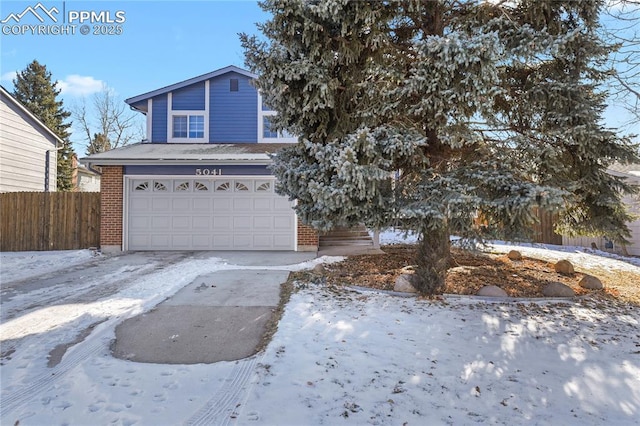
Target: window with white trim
pixel 266 128
pixel 188 126
pixel 265 131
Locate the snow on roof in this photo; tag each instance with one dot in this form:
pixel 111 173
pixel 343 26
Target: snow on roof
pixel 168 153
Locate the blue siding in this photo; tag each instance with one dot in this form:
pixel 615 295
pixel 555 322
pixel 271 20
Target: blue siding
pixel 188 98
pixel 233 116
pixel 159 117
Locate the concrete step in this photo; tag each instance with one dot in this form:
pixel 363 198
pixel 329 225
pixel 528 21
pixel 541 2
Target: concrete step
pixel 345 243
pixel 343 237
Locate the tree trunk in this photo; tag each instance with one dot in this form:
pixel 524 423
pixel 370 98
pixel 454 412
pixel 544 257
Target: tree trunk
pixel 433 260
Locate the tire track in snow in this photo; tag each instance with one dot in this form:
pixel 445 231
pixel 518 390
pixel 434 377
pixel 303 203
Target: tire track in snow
pixel 218 410
pixel 74 287
pixel 44 382
pixel 102 336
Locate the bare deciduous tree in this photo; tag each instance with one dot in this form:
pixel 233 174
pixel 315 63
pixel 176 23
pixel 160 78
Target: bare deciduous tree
pixel 621 27
pixel 109 124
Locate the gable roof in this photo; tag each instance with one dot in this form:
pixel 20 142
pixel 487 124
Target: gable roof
pixel 5 94
pixel 180 85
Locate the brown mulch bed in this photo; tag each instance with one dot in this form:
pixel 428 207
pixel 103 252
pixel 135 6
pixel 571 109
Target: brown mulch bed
pixel 470 271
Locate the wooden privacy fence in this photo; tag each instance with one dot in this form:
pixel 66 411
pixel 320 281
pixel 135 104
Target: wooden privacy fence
pixel 544 230
pixel 49 220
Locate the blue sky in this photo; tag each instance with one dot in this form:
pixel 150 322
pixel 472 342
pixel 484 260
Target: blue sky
pixel 162 42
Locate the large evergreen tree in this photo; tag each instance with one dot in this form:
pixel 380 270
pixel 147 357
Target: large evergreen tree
pixel 34 88
pixel 425 113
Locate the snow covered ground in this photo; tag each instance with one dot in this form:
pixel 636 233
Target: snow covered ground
pixel 338 357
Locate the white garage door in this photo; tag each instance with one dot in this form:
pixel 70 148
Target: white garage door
pixel 207 213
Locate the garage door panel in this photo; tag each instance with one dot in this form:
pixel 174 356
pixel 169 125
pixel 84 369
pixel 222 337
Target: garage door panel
pixel 208 214
pixel 242 204
pixel 181 204
pixel 262 223
pixel 282 242
pixel 281 204
pixel 262 241
pixel 202 223
pixel 139 223
pixel 201 242
pixel 139 241
pixel 221 204
pixel 242 223
pixel 222 223
pixel 181 222
pixel 262 204
pixel 222 242
pixel 160 204
pixel 158 241
pixel 201 204
pixel 160 223
pixel 138 204
pixel 282 222
pixel 181 242
pixel 242 241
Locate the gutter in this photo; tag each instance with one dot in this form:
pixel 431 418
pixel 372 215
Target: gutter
pixel 155 162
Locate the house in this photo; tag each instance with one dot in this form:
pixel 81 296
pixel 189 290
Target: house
pixel 632 174
pixel 28 157
pixel 86 180
pixel 200 179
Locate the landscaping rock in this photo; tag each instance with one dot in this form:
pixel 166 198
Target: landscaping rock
pixel 514 255
pixel 492 290
pixel 404 285
pixel 318 269
pixel 556 289
pixel 591 283
pixel 467 270
pixel 564 267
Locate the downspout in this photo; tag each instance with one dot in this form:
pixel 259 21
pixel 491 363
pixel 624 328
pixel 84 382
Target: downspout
pixel 47 166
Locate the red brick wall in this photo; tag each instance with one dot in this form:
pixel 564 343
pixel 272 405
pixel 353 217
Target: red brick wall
pixel 111 201
pixel 307 236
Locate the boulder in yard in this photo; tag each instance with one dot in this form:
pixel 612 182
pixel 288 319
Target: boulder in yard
pixel 514 255
pixel 564 267
pixel 466 270
pixel 492 291
pixel 591 283
pixel 318 269
pixel 556 289
pixel 404 284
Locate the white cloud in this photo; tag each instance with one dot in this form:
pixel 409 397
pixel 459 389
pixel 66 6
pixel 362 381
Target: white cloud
pixel 79 85
pixel 8 76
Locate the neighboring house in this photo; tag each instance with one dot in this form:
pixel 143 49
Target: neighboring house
pixel 200 181
pixel 28 156
pixel 632 174
pixel 86 180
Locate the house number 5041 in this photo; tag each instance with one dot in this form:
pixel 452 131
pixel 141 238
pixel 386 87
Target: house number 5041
pixel 208 172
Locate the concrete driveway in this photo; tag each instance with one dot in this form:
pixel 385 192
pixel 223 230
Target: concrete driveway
pixel 220 316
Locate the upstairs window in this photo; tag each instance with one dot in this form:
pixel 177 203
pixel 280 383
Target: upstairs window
pixel 233 85
pixel 188 126
pixel 266 129
pixel 187 115
pixel 196 126
pixel 179 126
pixel 268 133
